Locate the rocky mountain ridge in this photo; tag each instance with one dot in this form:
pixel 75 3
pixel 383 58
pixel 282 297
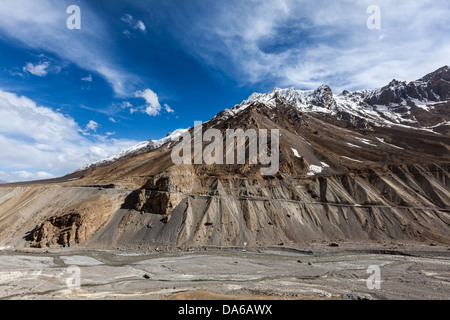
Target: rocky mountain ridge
pixel 348 171
pixel 423 104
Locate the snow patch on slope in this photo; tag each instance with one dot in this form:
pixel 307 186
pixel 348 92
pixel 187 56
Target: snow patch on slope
pixel 366 141
pixel 296 153
pixel 353 145
pixel 314 169
pixel 351 159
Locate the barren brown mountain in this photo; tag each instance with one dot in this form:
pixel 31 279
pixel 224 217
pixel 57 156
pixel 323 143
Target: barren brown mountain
pixel 365 166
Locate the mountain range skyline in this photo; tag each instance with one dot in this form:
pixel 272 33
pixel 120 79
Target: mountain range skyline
pixel 409 105
pixel 140 69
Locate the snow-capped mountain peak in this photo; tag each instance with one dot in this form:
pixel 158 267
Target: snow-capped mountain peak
pixel 398 103
pixel 139 148
pixel 420 105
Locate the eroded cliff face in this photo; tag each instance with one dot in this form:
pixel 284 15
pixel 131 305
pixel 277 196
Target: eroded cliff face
pixel 54 216
pixel 400 203
pixel 183 209
pixel 75 224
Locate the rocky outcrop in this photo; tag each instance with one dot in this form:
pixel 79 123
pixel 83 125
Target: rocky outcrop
pixel 324 97
pixel 74 225
pixel 433 87
pixel 161 193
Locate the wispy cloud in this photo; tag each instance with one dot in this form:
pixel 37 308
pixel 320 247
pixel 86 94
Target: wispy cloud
pixel 87 78
pixel 306 43
pixel 168 108
pixel 39 69
pixel 133 23
pixel 41 25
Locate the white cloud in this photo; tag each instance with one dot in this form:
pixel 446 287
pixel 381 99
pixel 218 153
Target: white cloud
pixel 87 78
pixel 112 119
pixel 92 126
pixel 126 104
pixel 39 69
pixel 132 23
pixel 141 26
pixel 132 109
pixel 152 107
pixel 44 175
pixel 38 140
pixel 24 175
pixel 168 108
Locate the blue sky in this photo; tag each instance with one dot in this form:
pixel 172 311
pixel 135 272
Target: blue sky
pixel 137 70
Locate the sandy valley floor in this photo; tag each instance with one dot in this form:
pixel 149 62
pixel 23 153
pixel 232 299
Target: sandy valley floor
pixel 273 273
